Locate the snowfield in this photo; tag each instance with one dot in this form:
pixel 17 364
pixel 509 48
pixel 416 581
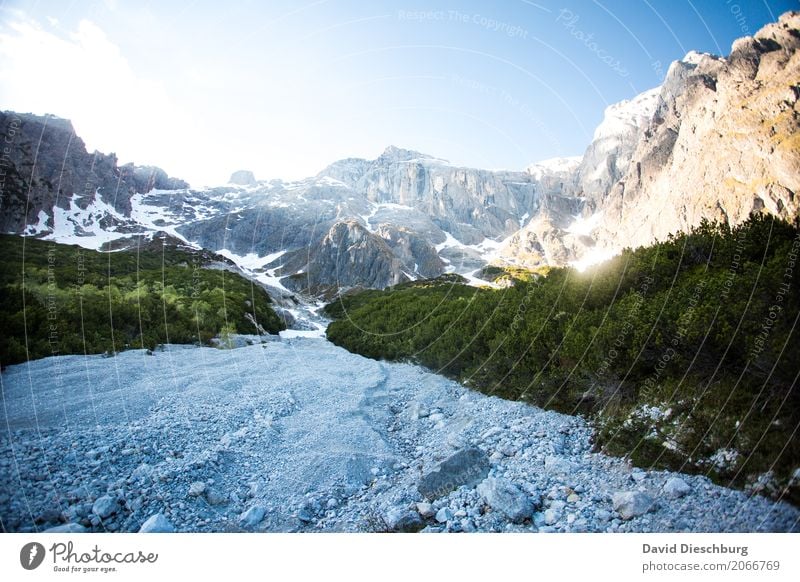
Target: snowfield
pixel 299 435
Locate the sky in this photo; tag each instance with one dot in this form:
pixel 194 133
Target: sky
pixel 283 88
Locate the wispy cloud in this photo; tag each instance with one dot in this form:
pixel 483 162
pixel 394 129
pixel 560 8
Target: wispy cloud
pixel 81 74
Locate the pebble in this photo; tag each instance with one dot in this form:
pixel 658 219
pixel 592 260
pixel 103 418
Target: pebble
pixel 105 506
pixel 196 489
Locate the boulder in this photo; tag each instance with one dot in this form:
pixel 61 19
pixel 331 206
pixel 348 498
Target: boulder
pixel 425 510
pixel 157 524
pixel 197 488
pixel 253 516
pixel 402 520
pixel 676 487
pixel 506 498
pixel 630 504
pixel 105 506
pixel 467 467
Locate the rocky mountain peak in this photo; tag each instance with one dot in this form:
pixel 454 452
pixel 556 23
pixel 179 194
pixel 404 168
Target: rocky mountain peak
pixel 396 154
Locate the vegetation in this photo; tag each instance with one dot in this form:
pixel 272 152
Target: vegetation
pixel 683 355
pixel 75 301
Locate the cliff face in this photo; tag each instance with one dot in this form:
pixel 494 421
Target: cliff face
pixel 347 256
pixel 469 203
pixel 46 166
pixel 722 142
pixel 718 140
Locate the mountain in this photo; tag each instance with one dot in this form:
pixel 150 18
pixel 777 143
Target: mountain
pixel 722 142
pixel 717 140
pixel 51 184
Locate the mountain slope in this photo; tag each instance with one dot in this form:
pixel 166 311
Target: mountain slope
pixel 722 143
pixel 53 185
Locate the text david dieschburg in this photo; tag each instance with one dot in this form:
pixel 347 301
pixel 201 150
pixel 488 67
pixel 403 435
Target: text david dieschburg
pixel 693 549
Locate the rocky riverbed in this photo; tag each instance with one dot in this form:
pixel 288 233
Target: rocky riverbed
pixel 299 435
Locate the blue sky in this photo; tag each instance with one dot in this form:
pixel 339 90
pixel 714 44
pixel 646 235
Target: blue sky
pixel 285 87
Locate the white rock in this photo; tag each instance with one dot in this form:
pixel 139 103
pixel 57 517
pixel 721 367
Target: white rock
pixel 557 465
pixel 197 488
pixel 630 504
pixel 105 506
pixel 444 515
pixel 491 432
pixel 508 450
pixel 67 528
pixel 157 524
pixel 252 516
pixel 552 515
pixel 425 510
pixel 676 487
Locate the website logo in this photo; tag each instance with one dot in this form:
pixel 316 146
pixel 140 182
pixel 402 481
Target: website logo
pixel 31 555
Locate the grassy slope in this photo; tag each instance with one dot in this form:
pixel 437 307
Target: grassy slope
pixel 679 353
pixel 80 301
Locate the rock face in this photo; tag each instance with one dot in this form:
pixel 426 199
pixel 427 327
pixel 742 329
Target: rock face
pixel 467 467
pixel 722 142
pixel 243 178
pixel 46 159
pixel 718 140
pixel 349 255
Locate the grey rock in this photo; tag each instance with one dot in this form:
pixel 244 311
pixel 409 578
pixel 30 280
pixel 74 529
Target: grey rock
pixel 630 504
pixel 425 510
pixel 676 487
pixel 558 465
pixel 215 497
pixel 105 506
pixel 506 498
pixel 197 488
pixel 157 523
pixel 467 467
pixel 444 515
pixel 67 528
pixel 253 516
pixel 401 520
pixel 551 516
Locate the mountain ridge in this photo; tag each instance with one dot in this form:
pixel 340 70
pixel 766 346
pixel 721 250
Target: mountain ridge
pixel 715 141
